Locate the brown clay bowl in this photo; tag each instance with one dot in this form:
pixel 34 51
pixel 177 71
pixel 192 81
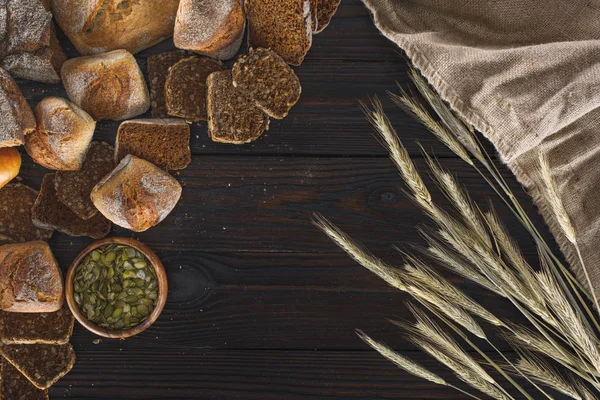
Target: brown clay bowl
pixel 161 275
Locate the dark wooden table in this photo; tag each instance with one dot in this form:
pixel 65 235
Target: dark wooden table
pixel 261 304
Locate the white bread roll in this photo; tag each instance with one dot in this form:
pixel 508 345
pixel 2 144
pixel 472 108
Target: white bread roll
pixel 16 117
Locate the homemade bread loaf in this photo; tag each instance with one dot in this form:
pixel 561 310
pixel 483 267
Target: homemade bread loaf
pixel 213 28
pixel 185 88
pixel 16 117
pixel 163 142
pixel 10 164
pixel 268 80
pixel 284 26
pixel 137 195
pixel 16 201
pixel 98 26
pixel 73 188
pixel 29 48
pixel 15 386
pixel 107 86
pixel 37 328
pixel 322 11
pixel 63 135
pixel 30 280
pixel 158 68
pixel 50 213
pixel 233 117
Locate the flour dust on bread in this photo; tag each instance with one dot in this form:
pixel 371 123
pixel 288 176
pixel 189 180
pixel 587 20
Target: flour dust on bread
pixel 15 113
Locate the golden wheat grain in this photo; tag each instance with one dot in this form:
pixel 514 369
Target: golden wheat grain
pixel 544 373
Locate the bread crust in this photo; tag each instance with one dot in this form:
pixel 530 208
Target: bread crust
pixel 15 113
pixel 98 26
pixel 214 28
pixel 108 86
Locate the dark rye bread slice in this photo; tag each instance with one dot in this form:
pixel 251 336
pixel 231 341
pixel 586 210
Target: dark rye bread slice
pixel 73 188
pixel 282 25
pixel 14 385
pixel 48 211
pixel 268 80
pixel 37 328
pixel 16 201
pixel 185 88
pixel 158 69
pixel 322 11
pixel 232 116
pixel 42 364
pixel 163 142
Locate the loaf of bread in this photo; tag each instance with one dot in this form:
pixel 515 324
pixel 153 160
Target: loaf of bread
pixel 17 226
pixel 158 68
pixel 322 11
pixel 284 26
pixel 63 135
pixel 137 195
pixel 16 117
pixel 10 164
pixel 107 86
pixel 29 48
pixel 213 28
pixel 30 280
pixel 98 26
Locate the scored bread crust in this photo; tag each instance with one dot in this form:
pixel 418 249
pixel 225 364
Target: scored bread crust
pixel 214 28
pixel 15 113
pixel 30 280
pixel 98 26
pixel 63 135
pixel 107 86
pixel 136 195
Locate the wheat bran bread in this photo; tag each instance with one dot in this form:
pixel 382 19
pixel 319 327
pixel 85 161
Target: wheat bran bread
pixel 73 188
pixel 322 12
pixel 37 328
pixel 49 212
pixel 268 80
pixel 137 195
pixel 30 280
pixel 14 385
pixel 63 135
pixel 163 142
pixel 214 28
pixel 15 114
pixel 16 201
pixel 158 68
pixel 108 86
pixel 42 364
pixel 232 116
pixel 185 88
pixel 284 26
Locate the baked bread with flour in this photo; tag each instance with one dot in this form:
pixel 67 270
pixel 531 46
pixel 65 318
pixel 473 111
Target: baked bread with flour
pixel 16 117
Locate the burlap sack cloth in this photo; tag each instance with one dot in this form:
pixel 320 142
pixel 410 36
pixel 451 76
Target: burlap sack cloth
pixel 526 73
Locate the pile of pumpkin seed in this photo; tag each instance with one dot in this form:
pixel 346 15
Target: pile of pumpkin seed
pixel 116 287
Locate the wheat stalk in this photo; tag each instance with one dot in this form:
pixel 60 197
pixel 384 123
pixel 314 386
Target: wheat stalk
pixel 547 375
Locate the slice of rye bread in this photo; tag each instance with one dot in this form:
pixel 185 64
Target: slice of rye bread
pixel 42 364
pixel 48 211
pixel 185 88
pixel 14 385
pixel 163 142
pixel 158 69
pixel 282 25
pixel 37 328
pixel 73 188
pixel 322 11
pixel 16 226
pixel 268 80
pixel 232 116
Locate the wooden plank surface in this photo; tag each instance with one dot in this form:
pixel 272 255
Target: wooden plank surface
pixel 261 304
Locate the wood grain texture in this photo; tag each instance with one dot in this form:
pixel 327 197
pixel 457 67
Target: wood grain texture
pixel 261 305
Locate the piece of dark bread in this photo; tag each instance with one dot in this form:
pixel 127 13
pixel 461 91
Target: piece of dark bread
pixel 322 11
pixel 42 364
pixel 282 25
pixel 158 69
pixel 15 113
pixel 16 201
pixel 14 385
pixel 37 328
pixel 185 88
pixel 268 80
pixel 232 116
pixel 73 188
pixel 49 212
pixel 163 142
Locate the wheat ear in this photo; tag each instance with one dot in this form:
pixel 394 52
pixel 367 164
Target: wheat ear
pixel 547 375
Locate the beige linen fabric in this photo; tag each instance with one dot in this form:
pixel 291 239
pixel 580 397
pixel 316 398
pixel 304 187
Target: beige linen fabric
pixel 526 73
